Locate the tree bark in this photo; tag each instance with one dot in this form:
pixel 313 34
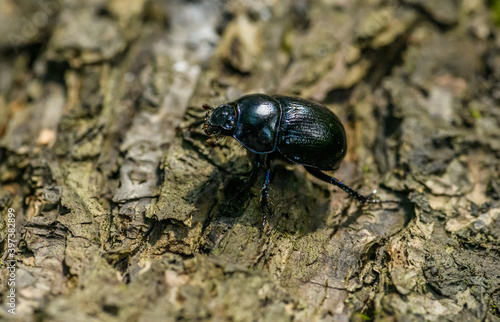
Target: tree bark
pixel 123 212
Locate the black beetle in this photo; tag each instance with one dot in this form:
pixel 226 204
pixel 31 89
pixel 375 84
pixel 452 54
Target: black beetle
pixel 289 128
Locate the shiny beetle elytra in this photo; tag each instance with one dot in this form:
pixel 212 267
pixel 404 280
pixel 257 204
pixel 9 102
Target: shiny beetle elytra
pixel 284 127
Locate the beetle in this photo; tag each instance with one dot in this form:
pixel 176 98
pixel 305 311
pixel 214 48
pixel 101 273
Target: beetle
pixel 288 128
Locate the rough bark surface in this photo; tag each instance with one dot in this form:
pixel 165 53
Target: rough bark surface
pixel 124 213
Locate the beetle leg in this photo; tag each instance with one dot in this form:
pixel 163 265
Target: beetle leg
pixel 353 193
pixel 246 189
pixel 264 193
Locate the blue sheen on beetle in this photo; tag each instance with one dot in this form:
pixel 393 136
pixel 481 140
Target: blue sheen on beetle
pixel 285 127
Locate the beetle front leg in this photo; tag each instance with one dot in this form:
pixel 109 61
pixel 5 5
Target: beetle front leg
pixel 264 193
pixel 238 198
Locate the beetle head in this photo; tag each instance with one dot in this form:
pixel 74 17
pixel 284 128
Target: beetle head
pixel 220 121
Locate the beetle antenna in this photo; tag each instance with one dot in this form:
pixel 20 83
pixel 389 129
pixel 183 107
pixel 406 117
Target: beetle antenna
pixel 353 193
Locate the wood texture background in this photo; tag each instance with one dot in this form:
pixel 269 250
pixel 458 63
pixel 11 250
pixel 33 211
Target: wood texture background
pixel 124 213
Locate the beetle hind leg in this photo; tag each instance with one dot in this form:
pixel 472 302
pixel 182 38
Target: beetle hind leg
pixel 353 193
